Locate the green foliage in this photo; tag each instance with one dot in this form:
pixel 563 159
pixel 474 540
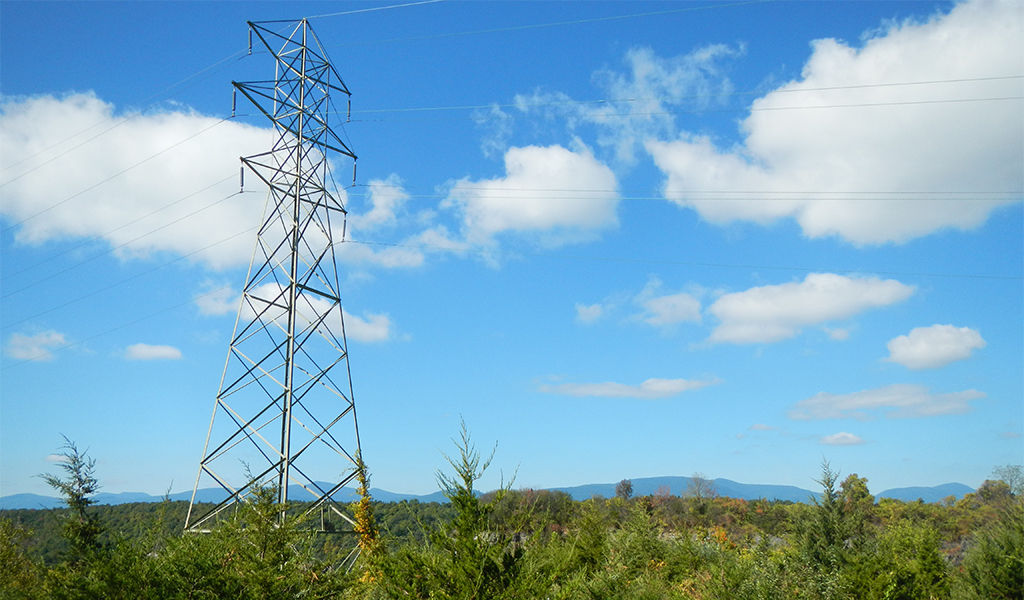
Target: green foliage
pixel 994 567
pixel 530 544
pixel 467 558
pixel 824 533
pixel 81 528
pixel 19 576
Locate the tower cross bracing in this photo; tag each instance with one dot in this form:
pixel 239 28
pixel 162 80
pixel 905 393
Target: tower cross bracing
pixel 285 413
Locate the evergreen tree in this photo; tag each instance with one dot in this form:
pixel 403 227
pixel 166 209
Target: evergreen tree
pixel 81 528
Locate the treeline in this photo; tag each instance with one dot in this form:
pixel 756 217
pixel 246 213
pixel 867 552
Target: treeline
pixel 532 544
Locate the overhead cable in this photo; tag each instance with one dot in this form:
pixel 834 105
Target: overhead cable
pixel 558 23
pixel 118 328
pixel 120 227
pixel 126 280
pixel 141 162
pixel 677 263
pixel 686 97
pixel 113 249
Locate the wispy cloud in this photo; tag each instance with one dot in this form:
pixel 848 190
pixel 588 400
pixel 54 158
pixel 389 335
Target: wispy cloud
pixel 900 400
pixel 666 310
pixel 36 347
pixel 641 97
pixel 841 439
pixel 149 352
pixel 588 313
pixel 648 390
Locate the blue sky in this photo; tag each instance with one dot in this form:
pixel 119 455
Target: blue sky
pixel 621 239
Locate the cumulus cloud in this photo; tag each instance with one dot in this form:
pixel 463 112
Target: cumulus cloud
pixel 901 400
pixel 162 182
pixel 909 161
pixel 935 346
pixel 148 352
pixel 154 182
pixel 774 313
pixel 36 347
pixel 648 390
pixel 554 194
pixel 842 439
pixel 587 314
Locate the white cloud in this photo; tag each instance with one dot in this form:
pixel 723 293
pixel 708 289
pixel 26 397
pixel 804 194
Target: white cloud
pixel 148 352
pixel 837 334
pixel 857 172
pixel 55 458
pixel 387 198
pixel 411 252
pixel 143 184
pixel 370 328
pixel 217 301
pixel 648 390
pixel 554 194
pixel 587 314
pixel 842 439
pixel 672 309
pixel 267 300
pixel 360 253
pixel 900 400
pixel 935 346
pixel 666 310
pixel 640 101
pixel 777 312
pixel 762 427
pixel 499 126
pixel 34 347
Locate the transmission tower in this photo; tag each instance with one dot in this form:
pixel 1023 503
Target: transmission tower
pixel 285 414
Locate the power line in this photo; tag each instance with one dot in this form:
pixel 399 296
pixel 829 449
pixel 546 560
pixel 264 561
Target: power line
pixel 702 111
pixel 481 251
pixel 677 263
pixel 143 161
pixel 123 281
pixel 487 187
pixel 119 246
pixel 377 8
pixel 119 123
pixel 686 97
pixel 118 328
pixel 557 24
pixel 132 222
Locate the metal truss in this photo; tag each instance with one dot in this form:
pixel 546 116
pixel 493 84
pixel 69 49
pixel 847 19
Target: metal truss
pixel 285 414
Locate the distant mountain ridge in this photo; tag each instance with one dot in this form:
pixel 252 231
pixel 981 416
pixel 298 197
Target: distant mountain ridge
pixel 643 486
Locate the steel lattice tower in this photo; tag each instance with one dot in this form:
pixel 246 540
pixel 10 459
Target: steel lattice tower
pixel 285 414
